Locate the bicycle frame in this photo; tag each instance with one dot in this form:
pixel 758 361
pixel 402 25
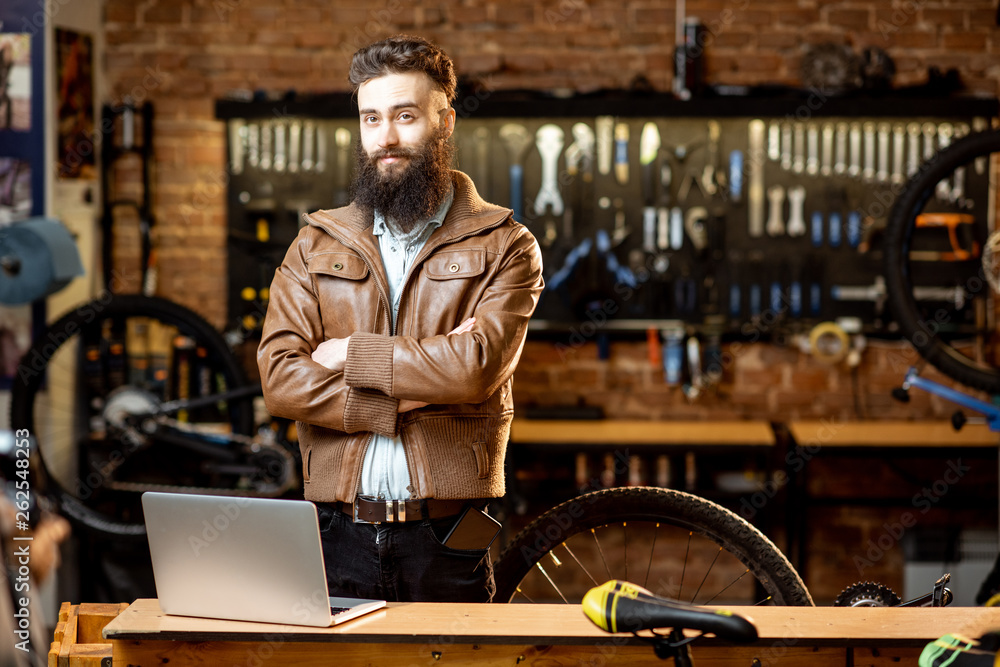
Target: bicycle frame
pixel 988 410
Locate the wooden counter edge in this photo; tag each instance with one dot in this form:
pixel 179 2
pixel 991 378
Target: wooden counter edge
pixel 813 626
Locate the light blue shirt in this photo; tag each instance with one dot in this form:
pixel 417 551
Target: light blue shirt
pixel 384 473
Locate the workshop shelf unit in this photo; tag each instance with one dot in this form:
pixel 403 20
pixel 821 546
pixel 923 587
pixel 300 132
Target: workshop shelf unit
pixel 740 217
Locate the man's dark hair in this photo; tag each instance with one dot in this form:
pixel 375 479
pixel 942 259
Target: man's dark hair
pixel 401 54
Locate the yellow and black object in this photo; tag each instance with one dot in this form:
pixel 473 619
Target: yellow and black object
pixel 619 606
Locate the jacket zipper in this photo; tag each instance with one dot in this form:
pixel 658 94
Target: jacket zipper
pixel 384 300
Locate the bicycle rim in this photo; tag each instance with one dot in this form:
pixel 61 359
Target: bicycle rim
pixel 934 329
pixel 88 366
pixel 675 544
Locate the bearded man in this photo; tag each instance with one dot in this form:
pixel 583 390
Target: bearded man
pixel 393 329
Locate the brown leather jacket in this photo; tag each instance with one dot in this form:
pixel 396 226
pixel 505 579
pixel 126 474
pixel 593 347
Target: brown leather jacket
pixel 331 284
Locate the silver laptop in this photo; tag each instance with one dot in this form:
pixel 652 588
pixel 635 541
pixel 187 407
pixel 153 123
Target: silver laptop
pixel 244 559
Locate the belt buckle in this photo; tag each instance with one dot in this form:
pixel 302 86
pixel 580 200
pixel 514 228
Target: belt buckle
pixel 355 504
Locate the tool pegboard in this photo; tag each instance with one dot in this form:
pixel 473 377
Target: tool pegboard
pixel 733 216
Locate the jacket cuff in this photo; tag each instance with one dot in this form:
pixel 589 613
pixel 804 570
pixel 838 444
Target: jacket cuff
pixel 369 362
pixel 367 410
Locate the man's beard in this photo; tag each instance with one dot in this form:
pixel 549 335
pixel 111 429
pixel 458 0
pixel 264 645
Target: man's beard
pixel 406 192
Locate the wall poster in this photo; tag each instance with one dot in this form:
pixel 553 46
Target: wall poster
pixel 75 104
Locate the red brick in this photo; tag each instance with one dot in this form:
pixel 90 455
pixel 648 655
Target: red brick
pixel 855 19
pixel 163 13
pixel 968 41
pixel 507 14
pixel 119 11
pixel 467 15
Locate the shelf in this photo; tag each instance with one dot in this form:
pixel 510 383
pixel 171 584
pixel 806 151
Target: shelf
pixel 830 433
pixel 642 432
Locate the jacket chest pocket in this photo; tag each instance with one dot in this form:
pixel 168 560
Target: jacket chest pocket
pixel 348 298
pixel 452 270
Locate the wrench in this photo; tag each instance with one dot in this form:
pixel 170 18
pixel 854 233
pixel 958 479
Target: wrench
pixel 799 148
pixel 605 141
pixel 755 184
pixel 840 159
pixel 709 180
pixel 774 141
pixel 342 138
pixel 621 153
pixel 884 137
pixel 913 148
pixel 549 140
pixel 280 158
pixel 237 139
pixel 945 133
pixel 321 147
pixel 580 153
pixel 786 146
pixel 812 149
pixel 266 137
pixel 868 171
pixel 898 151
pixel 826 162
pixel 308 141
pixel 294 146
pixel 796 219
pixel 517 139
pixel 854 135
pixel 775 222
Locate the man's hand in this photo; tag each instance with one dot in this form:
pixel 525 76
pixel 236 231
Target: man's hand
pixel 405 404
pixel 332 353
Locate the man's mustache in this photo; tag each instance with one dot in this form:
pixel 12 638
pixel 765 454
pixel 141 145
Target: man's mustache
pixel 393 152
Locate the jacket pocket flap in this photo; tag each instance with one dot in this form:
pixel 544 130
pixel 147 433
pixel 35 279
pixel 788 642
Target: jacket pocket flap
pixel 339 264
pixel 456 264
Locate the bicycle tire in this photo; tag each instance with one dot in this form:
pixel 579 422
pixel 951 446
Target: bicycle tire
pixel 55 347
pixel 925 336
pixel 662 513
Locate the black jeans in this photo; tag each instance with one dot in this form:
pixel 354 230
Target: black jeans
pixel 401 562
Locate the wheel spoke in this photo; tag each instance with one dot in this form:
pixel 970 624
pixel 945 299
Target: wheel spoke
pixel 582 566
pixel 625 544
pixel 703 579
pixel 601 551
pixel 684 565
pixel 549 579
pixel 524 595
pixel 652 550
pixel 726 587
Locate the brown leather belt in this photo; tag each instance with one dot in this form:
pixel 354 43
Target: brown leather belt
pixel 372 510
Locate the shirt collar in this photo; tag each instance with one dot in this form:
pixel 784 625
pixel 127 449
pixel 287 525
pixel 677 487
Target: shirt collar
pixel 434 221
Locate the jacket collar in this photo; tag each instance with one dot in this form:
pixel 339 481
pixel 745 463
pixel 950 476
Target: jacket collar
pixel 469 213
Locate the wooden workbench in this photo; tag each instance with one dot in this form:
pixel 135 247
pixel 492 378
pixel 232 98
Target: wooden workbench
pixel 524 634
pixel 639 432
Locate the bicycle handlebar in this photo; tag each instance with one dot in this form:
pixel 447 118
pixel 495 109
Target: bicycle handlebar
pixel 619 606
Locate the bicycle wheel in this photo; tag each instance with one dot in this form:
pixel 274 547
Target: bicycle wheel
pixel 951 197
pixel 88 374
pixel 673 543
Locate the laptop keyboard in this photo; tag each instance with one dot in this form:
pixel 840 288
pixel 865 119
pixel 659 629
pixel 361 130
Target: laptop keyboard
pixel 337 610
